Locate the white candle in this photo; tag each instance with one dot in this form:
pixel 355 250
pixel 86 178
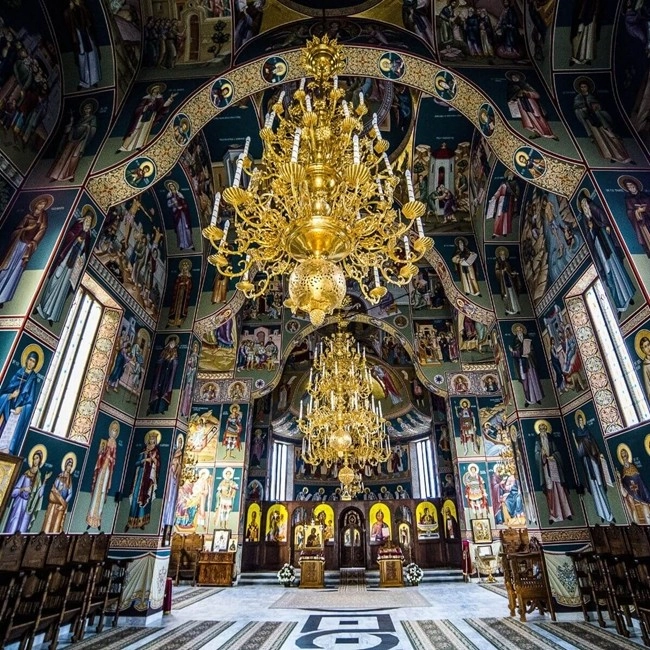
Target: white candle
pixel 389 167
pixel 281 97
pixel 376 126
pixel 376 270
pixel 225 233
pixel 302 83
pixel 346 109
pixel 300 417
pixel 269 120
pixel 308 103
pixel 420 227
pixel 360 98
pixel 215 209
pixel 240 165
pixel 407 246
pixel 356 158
pixel 336 82
pixel 296 146
pixel 380 189
pixel 409 185
pixel 247 144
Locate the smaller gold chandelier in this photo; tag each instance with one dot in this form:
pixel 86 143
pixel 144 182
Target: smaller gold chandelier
pixel 320 204
pixel 343 426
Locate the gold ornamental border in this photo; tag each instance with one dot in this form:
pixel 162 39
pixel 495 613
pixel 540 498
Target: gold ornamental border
pixel 562 176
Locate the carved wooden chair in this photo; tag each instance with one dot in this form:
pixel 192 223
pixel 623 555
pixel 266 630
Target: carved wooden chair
pixel 81 575
pixel 189 562
pixel 617 562
pixel 175 556
pixel 581 565
pixel 639 576
pixel 513 540
pixel 11 557
pixel 598 579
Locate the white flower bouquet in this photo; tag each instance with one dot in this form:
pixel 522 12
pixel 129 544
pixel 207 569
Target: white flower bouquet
pixel 413 574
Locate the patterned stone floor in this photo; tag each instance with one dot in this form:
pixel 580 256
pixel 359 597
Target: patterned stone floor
pixel 242 618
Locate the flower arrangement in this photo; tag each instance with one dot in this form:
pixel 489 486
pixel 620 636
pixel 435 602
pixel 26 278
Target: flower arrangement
pixel 286 575
pixel 413 574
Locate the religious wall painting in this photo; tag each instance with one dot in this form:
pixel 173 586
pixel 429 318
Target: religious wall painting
pixel 128 363
pixel 525 356
pixel 218 347
pixel 550 240
pixel 520 458
pixel 131 246
pixel 567 371
pixel 504 205
pixel 141 507
pixel 590 108
pixel 254 490
pixel 195 161
pixel 46 489
pixel 259 448
pixel 427 295
pixel 68 265
pixel 551 471
pixel 189 378
pixel 68 157
pixel 267 307
pixel 436 342
pixel 594 470
pixel 475 489
pixel 193 502
pixel 178 206
pixel 450 519
pixel 259 349
pixel 464 262
pixel 607 250
pixel 30 84
pixel 539 17
pixel 103 475
pixel 164 377
pixel 482 33
pixel 145 112
pixel 630 453
pixel 174 480
pixel 232 435
pixel 379 523
pixel 195 41
pixel 19 391
pixel 467 432
pixel 277 518
pixel 482 160
pixel 216 291
pixel 583 35
pixel 628 201
pixel 492 418
pixel 426 515
pixel 507 283
pixel 324 517
pixel 32 227
pixel 182 291
pixel 631 67
pixel 443 442
pixel 226 498
pixel 506 495
pixel 253 522
pixel 473 339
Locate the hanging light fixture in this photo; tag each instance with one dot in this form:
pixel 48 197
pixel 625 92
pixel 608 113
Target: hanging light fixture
pixel 320 204
pixel 344 426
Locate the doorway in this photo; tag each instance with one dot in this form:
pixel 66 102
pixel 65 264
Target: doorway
pixel 352 539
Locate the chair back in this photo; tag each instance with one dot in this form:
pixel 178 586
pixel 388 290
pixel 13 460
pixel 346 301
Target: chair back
pixel 36 552
pixel 100 546
pixel 57 554
pixel 12 551
pixel 82 547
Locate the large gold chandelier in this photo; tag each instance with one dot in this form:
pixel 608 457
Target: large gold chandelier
pixel 320 204
pixel 344 426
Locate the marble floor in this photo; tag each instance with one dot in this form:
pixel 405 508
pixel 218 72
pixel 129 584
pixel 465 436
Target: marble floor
pixel 379 629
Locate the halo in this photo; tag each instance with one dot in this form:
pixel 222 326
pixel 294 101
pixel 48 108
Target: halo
pixel 538 424
pixel 234 409
pixel 619 449
pixel 577 413
pixel 69 456
pixel 464 403
pixel 384 64
pixel 518 326
pixel 204 473
pixel 48 198
pixel 93 102
pixel 508 75
pixel 441 83
pixel 147 165
pixel 33 450
pixel 184 122
pixel 280 67
pixel 522 158
pixel 185 263
pixel 170 337
pixel 172 184
pixel 84 212
pixel 469 467
pixel 33 347
pixel 637 342
pixel 578 81
pixel 646 444
pixel 114 426
pixel 622 180
pixel 502 248
pixel 226 86
pixel 158 84
pixel 155 434
pixel 459 239
pixel 228 472
pixel 180 441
